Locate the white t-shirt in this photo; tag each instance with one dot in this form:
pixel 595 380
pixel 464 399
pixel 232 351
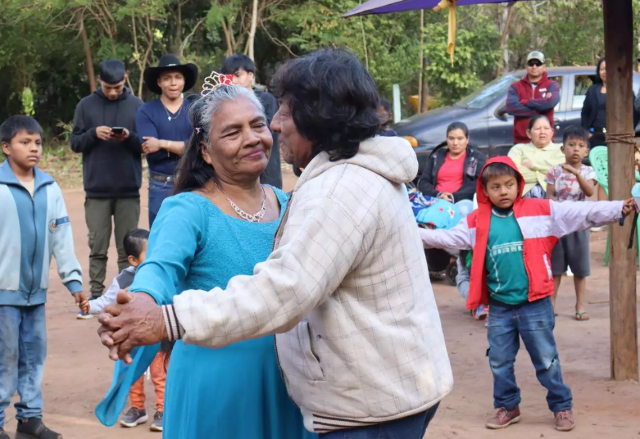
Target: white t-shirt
pixel 30 186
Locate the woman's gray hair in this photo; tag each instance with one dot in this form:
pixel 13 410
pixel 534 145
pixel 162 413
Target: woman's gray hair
pixel 193 172
pixel 204 109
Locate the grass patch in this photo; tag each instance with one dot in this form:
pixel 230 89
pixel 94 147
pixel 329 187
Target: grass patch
pixel 64 165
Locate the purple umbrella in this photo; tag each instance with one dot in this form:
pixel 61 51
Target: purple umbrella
pixel 387 6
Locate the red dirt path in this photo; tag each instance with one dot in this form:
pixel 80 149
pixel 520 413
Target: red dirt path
pixel 78 372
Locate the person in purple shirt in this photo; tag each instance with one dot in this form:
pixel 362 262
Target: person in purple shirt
pixel 164 126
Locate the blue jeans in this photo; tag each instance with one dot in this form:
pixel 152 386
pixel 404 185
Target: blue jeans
pixel 411 427
pixel 534 322
pixel 158 191
pixel 23 349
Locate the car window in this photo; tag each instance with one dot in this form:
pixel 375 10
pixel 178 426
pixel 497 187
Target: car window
pixel 488 93
pixel 558 79
pixel 582 84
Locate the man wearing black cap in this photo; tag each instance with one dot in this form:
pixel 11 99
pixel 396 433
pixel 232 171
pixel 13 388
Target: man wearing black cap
pixel 104 131
pixel 164 124
pixel 534 94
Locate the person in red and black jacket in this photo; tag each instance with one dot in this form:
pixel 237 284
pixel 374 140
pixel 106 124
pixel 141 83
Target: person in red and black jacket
pixel 453 168
pixel 534 94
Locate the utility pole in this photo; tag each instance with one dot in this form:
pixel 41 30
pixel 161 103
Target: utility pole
pixel 618 35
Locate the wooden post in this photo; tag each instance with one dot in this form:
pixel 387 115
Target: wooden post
pixel 618 33
pixel 421 105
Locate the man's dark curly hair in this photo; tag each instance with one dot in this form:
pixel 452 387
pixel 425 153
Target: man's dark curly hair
pixel 333 100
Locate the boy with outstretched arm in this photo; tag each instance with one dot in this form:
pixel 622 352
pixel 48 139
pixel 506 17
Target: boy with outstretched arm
pixel 34 227
pixel 512 240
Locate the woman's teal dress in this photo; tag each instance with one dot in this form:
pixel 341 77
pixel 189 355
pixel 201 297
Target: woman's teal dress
pixel 236 392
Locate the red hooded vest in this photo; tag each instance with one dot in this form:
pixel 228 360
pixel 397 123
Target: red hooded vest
pixel 537 248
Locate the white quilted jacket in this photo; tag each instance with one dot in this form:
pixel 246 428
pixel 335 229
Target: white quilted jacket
pixel 347 291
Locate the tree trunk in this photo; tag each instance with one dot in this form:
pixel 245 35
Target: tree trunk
pixel 535 32
pixel 421 75
pixel 425 94
pixel 364 44
pixel 87 53
pixel 249 48
pixel 507 14
pixel 179 24
pixel 618 35
pixel 228 31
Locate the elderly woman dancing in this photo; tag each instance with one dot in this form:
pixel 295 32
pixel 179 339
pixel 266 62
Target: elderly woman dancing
pixel 220 225
pixel 347 288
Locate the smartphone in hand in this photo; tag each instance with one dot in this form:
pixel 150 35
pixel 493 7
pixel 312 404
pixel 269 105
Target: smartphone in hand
pixel 117 131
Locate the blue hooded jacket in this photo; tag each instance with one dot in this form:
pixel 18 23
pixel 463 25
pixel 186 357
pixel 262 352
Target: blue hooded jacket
pixel 31 231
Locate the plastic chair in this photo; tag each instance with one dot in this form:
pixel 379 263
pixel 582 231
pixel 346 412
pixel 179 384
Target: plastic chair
pixel 599 158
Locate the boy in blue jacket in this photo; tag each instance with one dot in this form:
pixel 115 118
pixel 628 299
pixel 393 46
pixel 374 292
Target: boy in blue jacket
pixel 34 227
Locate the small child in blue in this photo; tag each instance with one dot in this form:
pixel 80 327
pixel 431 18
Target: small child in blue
pixel 34 227
pixel 135 245
pixel 572 181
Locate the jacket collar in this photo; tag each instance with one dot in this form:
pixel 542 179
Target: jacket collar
pixel 544 77
pixel 8 177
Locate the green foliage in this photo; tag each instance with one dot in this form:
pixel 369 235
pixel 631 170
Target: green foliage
pixel 41 46
pixel 27 102
pixel 476 55
pixel 67 129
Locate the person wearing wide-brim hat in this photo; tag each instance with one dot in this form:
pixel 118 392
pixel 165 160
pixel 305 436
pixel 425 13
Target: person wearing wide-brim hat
pixel 164 124
pixel 170 63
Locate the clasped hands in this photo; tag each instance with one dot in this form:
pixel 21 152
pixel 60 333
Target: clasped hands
pixel 135 320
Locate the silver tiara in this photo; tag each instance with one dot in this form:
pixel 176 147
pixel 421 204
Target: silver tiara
pixel 213 82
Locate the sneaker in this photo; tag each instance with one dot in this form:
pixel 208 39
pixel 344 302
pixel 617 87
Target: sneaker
pixel 4 434
pixel 134 417
pixel 83 316
pixel 156 424
pixel 504 418
pixel 35 428
pixel 564 420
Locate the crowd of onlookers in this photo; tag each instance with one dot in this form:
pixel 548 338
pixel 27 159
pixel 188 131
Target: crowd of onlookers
pixel 549 170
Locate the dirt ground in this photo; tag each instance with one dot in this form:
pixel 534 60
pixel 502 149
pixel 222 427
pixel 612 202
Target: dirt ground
pixel 78 372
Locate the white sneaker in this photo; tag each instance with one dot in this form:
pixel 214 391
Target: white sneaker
pixel 134 417
pixel 569 272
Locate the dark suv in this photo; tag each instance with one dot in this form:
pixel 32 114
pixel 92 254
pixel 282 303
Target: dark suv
pixel 484 112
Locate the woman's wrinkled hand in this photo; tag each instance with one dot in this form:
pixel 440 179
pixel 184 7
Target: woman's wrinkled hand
pixel 135 320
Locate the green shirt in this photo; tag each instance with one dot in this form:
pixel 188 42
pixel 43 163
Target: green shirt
pixel 506 275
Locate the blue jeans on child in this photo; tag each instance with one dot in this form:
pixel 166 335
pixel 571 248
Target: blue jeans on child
pixel 411 427
pixel 23 349
pixel 534 322
pixel 158 191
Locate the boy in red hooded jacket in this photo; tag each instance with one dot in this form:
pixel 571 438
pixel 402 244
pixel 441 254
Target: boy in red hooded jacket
pixel 512 240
